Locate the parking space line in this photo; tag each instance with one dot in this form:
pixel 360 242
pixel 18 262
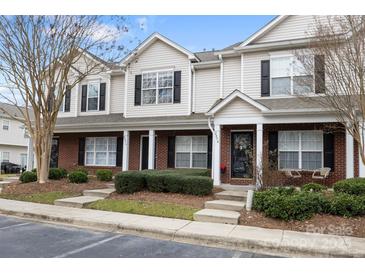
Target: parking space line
pixel 88 246
pixel 16 225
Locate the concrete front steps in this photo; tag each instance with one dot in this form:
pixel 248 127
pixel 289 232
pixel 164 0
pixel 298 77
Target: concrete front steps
pixel 89 197
pixel 225 210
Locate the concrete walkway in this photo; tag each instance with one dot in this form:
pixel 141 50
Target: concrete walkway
pixel 243 238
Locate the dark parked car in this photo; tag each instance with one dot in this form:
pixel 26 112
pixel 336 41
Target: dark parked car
pixel 7 167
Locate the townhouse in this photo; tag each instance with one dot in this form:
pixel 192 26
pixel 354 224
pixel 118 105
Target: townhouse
pixel 13 138
pixel 236 111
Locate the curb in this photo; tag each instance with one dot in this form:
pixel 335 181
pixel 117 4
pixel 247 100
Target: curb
pixel 247 239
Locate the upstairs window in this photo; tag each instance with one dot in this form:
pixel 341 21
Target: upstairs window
pixel 289 77
pixel 157 87
pixel 6 125
pixel 93 96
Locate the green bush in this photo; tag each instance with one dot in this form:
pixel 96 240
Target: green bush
pixel 313 187
pixel 83 170
pixel 284 190
pixel 295 206
pixel 347 205
pixel 57 173
pixel 129 181
pixel 355 186
pixel 104 175
pixel 181 171
pixel 34 170
pixel 78 177
pixel 175 183
pixel 28 176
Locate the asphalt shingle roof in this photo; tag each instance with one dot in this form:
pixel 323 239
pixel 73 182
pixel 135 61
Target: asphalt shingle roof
pixel 13 110
pixel 206 56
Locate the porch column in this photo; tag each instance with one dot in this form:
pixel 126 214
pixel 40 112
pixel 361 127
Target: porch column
pixel 216 150
pixel 259 154
pixel 349 155
pixel 125 162
pixel 361 165
pixel 151 149
pixel 30 155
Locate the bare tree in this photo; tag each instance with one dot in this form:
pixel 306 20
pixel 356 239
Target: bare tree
pixel 42 58
pixel 336 57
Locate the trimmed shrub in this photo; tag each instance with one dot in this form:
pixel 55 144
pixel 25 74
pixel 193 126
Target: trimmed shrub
pixel 57 173
pixel 104 175
pixel 313 187
pixel 78 177
pixel 347 205
pixel 129 181
pixel 28 176
pixel 296 206
pixel 83 170
pixel 34 170
pixel 197 185
pixel 181 171
pixel 155 182
pixel 284 190
pixel 355 186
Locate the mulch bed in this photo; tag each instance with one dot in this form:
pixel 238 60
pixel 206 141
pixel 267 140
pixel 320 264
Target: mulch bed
pixel 320 223
pixel 171 198
pixel 61 185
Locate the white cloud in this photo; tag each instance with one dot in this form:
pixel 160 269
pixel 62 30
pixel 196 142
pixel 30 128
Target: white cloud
pixel 106 32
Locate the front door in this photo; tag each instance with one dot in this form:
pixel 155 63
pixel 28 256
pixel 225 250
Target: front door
pixel 54 153
pixel 242 154
pixel 144 152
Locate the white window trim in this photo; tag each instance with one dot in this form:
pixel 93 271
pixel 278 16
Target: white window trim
pixel 94 151
pixel 8 124
pixel 2 156
pixel 157 87
pixel 300 150
pixel 191 152
pixel 87 95
pixel 291 76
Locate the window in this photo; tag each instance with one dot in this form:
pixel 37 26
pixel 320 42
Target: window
pixel 93 96
pixel 100 151
pixel 191 152
pixel 289 76
pixel 6 124
pixel 6 157
pixel 157 87
pixel 23 159
pixel 300 149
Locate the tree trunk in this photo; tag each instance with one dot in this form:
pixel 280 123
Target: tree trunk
pixel 42 148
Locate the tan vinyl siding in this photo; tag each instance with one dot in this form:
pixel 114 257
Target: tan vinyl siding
pixel 206 88
pixel 159 56
pixel 293 27
pixel 252 73
pixel 231 74
pixel 117 94
pixel 238 108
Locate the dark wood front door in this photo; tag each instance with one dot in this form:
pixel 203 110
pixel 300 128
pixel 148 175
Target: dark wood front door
pixel 241 154
pixel 54 153
pixel 144 152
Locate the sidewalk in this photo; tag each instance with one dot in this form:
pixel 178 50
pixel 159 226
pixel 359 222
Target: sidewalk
pixel 243 238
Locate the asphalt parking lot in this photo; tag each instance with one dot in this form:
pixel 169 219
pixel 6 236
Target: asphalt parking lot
pixel 25 239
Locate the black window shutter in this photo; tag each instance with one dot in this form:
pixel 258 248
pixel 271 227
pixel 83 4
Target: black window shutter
pixel 119 151
pixel 83 98
pixel 67 99
pixel 81 160
pixel 102 97
pixel 209 164
pixel 171 152
pixel 265 78
pixel 329 150
pixel 273 150
pixel 137 90
pixel 319 74
pixel 177 87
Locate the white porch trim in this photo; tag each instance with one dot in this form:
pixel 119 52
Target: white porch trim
pixel 349 155
pixel 151 149
pixel 259 150
pixel 216 157
pixel 30 155
pixel 125 162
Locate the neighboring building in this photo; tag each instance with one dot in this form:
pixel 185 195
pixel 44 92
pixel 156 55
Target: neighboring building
pixel 231 110
pixel 13 139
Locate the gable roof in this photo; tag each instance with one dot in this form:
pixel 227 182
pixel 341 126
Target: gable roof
pixel 221 103
pixel 206 56
pixel 150 40
pixel 269 26
pixel 6 109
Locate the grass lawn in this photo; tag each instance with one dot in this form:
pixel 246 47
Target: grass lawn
pixel 146 208
pixel 43 198
pixel 4 176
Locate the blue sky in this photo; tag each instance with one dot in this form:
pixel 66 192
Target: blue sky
pixel 198 32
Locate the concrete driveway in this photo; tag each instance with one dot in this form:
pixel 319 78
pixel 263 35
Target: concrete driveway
pixel 25 239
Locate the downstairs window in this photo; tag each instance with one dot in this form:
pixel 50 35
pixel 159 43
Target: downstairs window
pixel 100 151
pixel 191 151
